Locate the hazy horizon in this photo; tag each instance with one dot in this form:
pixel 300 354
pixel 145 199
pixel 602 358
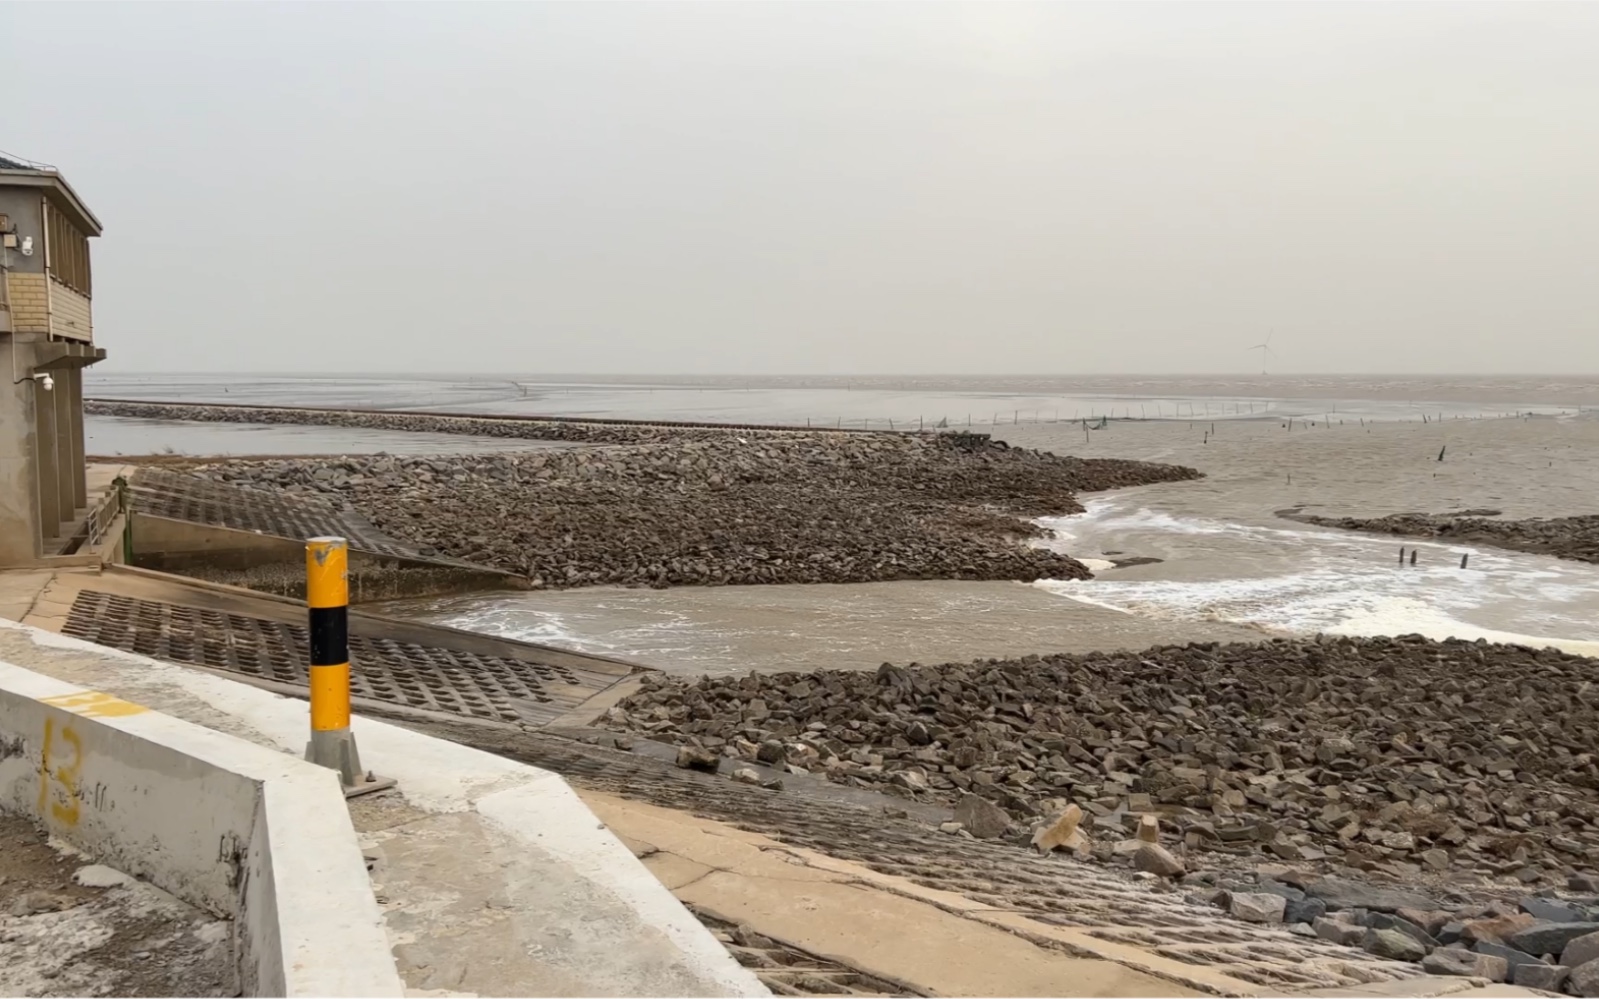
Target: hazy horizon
pixel 1092 190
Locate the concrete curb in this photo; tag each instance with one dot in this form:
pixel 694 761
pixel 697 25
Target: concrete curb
pixel 233 828
pixel 561 906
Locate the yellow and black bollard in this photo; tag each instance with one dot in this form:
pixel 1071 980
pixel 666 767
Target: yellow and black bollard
pixel 327 595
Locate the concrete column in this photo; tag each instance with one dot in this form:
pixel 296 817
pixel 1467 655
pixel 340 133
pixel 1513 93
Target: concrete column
pixel 67 470
pixel 46 468
pixel 19 498
pixel 80 484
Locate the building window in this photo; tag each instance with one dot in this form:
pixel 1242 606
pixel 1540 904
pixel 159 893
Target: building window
pixel 68 258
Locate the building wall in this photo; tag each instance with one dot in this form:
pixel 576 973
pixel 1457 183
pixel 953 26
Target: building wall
pixel 38 304
pixel 29 295
pixel 69 313
pixel 19 493
pixel 41 453
pixel 24 206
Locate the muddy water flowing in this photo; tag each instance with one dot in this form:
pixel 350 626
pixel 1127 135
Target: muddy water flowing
pixel 1229 567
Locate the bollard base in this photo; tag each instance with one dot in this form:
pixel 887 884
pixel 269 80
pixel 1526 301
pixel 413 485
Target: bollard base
pixel 336 750
pixel 368 783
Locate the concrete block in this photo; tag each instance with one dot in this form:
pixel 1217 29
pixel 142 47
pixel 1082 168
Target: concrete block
pixel 238 830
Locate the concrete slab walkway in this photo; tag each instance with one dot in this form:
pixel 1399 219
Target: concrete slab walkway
pixel 859 918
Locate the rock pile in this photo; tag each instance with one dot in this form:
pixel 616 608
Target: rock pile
pixel 1406 757
pixel 1575 538
pixel 786 508
pixel 474 426
pixel 1541 941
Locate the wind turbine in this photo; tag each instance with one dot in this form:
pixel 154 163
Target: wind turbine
pixel 1265 352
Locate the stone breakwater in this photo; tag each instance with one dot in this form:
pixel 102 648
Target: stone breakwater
pixel 1405 757
pixel 1575 538
pixel 783 508
pixel 572 431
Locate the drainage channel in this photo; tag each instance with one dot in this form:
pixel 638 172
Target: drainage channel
pixel 407 674
pixel 295 516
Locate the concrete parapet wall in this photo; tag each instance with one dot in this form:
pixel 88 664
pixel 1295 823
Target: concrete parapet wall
pixel 239 830
pixel 69 313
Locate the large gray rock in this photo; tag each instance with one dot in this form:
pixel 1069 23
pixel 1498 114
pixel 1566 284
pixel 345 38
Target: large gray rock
pixel 981 817
pixel 1394 945
pixel 1547 977
pixel 1584 980
pixel 1340 893
pixel 1156 859
pixel 695 758
pixel 1580 951
pixel 1304 910
pixel 1554 910
pixel 1384 921
pixel 1339 932
pixel 1549 938
pixel 1465 964
pixel 1512 956
pixel 1258 907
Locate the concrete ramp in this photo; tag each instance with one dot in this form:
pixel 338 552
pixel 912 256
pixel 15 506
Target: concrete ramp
pixel 395 665
pixel 188 524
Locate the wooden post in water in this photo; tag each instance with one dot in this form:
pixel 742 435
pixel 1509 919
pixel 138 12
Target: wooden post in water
pixel 1413 555
pixel 1463 559
pixel 1401 554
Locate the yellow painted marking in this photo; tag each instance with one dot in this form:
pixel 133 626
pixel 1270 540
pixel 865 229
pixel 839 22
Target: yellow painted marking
pixel 94 704
pixel 330 698
pixel 63 807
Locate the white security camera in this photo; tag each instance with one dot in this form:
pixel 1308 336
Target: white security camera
pixel 45 381
pixel 27 246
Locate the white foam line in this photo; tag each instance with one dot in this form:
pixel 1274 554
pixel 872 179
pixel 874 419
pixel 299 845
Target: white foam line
pixel 1336 583
pixel 1401 616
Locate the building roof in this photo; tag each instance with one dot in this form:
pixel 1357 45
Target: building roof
pixel 16 171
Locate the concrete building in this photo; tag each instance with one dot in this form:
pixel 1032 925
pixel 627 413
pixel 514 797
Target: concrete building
pixel 46 340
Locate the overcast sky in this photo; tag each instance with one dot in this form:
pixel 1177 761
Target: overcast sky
pixel 825 187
